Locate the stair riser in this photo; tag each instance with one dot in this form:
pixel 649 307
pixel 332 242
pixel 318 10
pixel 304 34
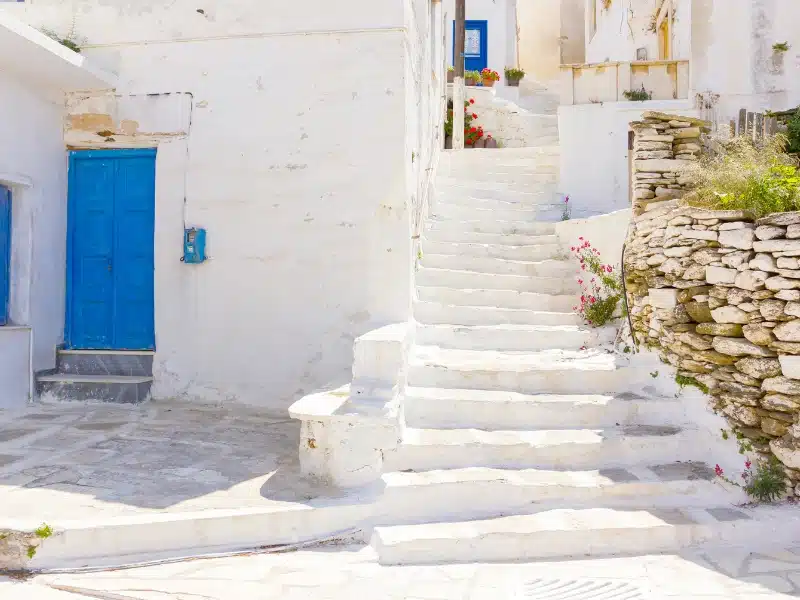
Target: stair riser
pixel 442 314
pixel 466 280
pixel 449 413
pixel 532 193
pixel 500 266
pixel 105 364
pixel 567 381
pixel 444 210
pixel 536 201
pixel 480 178
pixel 119 393
pixel 401 505
pixel 625 451
pixel 511 340
pixel 538 252
pixel 497 298
pixel 497 547
pixel 454 234
pixel 491 227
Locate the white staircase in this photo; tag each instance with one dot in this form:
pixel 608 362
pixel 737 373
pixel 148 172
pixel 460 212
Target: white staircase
pixel 521 437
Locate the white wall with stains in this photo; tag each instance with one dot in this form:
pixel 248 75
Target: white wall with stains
pixel 297 136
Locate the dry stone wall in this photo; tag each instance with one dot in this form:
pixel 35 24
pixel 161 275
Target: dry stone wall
pixel 717 294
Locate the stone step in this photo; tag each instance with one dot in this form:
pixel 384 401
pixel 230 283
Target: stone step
pixel 528 141
pixel 514 338
pixel 536 202
pixel 478 492
pixel 436 408
pixel 532 252
pixel 500 266
pixel 126 389
pixel 551 372
pixel 105 362
pixel 449 210
pixel 568 533
pixel 519 172
pixel 493 189
pixel 435 313
pixel 451 232
pixel 530 228
pixel 491 155
pixel 615 447
pixel 472 280
pixel 502 299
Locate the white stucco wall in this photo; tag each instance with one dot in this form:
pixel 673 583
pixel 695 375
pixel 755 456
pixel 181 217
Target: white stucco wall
pixel 502 42
pixel 33 163
pixel 302 161
pixel 594 151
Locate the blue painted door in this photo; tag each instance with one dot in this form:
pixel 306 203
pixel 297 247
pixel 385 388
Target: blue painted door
pixel 5 251
pixel 476 55
pixel 110 267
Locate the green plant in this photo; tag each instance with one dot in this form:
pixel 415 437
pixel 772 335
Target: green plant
pixel 69 41
pixel 641 95
pixel 471 133
pixel 654 374
pixel 760 178
pixel 489 75
pixel 566 211
pixel 684 381
pixel 765 483
pixel 514 73
pixel 602 293
pixel 472 75
pixel 451 69
pixel 793 133
pixel 44 531
pixel 780 47
pixel 31 551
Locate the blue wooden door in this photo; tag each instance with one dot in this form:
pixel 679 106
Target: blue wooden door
pixel 476 55
pixel 5 251
pixel 110 266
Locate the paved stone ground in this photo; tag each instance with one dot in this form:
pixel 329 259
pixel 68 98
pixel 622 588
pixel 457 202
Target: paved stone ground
pixel 335 573
pixel 75 460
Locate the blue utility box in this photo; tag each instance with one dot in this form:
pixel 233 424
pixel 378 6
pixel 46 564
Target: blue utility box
pixel 194 245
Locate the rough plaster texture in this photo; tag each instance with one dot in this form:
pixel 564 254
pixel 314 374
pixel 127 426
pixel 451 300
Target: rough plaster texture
pixel 307 166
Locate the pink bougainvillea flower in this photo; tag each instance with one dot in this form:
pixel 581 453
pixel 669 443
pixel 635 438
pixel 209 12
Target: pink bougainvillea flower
pixel 748 464
pixel 580 238
pixel 718 470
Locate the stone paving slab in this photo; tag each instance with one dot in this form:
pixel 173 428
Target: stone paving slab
pixel 335 573
pixel 76 460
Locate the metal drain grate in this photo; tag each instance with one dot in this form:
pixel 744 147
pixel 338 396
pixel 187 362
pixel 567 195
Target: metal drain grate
pixel 578 589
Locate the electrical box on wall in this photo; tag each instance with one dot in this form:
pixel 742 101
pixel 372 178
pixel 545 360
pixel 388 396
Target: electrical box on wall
pixel 194 245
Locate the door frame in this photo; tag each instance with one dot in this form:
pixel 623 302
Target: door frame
pixel 5 261
pixel 481 24
pixel 73 156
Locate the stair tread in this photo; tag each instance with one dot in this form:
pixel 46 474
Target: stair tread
pixel 70 378
pixel 541 360
pixel 666 472
pixel 557 520
pixel 510 327
pixel 491 396
pixel 538 438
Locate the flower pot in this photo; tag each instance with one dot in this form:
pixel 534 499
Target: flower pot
pixel 481 143
pixel 490 143
pixel 448 142
pixel 450 76
pixel 488 83
pixel 512 82
pixel 471 82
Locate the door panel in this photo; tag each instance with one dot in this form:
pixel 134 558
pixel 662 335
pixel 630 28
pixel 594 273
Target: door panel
pixel 475 45
pixel 110 251
pixel 5 251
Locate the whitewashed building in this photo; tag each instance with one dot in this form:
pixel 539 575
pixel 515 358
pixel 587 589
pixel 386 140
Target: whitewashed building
pixel 713 57
pixel 299 139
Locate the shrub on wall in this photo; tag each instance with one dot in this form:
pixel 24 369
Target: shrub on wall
pixel 761 179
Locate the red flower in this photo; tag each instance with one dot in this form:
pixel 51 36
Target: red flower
pixel 592 300
pixel 473 130
pixel 583 267
pixel 718 470
pixel 580 238
pixel 748 464
pixel 474 116
pixel 573 248
pixel 472 101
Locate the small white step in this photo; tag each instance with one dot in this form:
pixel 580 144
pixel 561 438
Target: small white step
pixel 72 378
pixel 531 228
pixel 449 210
pixel 504 338
pixel 533 252
pixel 504 299
pixel 487 179
pixel 473 280
pixel 501 266
pixel 526 194
pixel 564 533
pixel 631 445
pixel 435 313
pixel 552 371
pixel 450 233
pixel 478 492
pixel 459 409
pixel 502 199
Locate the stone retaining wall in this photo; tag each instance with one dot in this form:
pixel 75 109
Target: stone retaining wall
pixel 717 294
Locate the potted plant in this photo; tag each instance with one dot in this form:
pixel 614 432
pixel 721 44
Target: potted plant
pixel 513 75
pixel 451 72
pixel 490 142
pixel 472 77
pixel 489 77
